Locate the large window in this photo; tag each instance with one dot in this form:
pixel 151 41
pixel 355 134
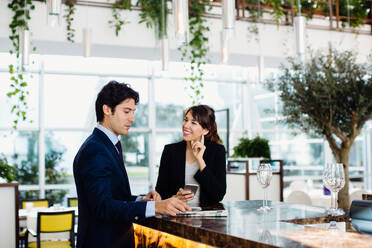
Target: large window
pixel 304 156
pixel 63 90
pixel 62 96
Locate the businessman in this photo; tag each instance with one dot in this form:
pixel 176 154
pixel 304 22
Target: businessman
pixel 107 207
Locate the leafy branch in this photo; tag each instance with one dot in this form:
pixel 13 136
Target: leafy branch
pixel 69 17
pixel 278 11
pixel 196 50
pixel 117 22
pixel 21 15
pixel 151 15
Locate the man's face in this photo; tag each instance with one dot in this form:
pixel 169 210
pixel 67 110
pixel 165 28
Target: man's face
pixel 120 121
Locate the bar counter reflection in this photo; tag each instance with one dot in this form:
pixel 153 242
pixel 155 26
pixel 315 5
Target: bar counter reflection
pixel 283 226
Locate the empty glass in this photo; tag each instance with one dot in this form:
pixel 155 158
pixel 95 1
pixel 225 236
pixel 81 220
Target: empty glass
pixel 264 174
pixel 334 180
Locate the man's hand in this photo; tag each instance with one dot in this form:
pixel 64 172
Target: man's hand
pixel 152 196
pixel 171 206
pixel 184 195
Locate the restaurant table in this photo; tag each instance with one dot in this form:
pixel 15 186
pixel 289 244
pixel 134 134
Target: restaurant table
pixel 283 226
pixel 28 219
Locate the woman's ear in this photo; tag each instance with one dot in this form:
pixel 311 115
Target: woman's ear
pixel 205 131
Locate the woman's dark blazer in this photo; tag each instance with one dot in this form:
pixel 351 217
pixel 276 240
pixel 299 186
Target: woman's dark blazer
pixel 212 179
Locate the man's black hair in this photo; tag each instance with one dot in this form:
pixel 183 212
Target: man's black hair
pixel 113 94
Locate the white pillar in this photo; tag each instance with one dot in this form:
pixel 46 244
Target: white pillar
pixel 181 20
pixel 54 12
pixel 152 135
pixel 87 41
pixel 164 53
pixel 260 68
pixel 367 159
pixel 300 23
pixel 24 46
pixel 228 14
pixel 41 132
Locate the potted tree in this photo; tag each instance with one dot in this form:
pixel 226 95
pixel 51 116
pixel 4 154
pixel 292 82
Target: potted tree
pixel 329 95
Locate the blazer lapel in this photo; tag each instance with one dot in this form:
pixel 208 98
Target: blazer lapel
pixel 207 156
pixel 181 162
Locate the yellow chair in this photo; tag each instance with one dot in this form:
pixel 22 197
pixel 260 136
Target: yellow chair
pixel 53 222
pixel 36 203
pixel 72 202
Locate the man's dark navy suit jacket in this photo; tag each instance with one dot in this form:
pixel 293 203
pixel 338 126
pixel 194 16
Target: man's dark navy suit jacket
pixel 106 206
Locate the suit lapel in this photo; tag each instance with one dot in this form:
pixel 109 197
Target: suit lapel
pixel 114 152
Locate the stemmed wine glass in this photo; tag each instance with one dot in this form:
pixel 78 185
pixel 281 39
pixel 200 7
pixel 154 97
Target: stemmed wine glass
pixel 264 174
pixel 334 179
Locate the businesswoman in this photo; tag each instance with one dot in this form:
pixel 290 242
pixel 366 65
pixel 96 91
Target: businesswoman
pixel 198 159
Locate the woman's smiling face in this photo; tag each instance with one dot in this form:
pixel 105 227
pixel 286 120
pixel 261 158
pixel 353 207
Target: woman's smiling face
pixel 191 129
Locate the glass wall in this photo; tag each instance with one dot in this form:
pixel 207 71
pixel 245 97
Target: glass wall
pixel 62 96
pixel 304 155
pixel 63 90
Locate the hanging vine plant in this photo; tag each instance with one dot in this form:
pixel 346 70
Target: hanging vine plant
pixel 151 15
pixel 255 13
pixel 196 50
pixel 21 15
pixel 278 11
pixel 117 23
pixel 69 17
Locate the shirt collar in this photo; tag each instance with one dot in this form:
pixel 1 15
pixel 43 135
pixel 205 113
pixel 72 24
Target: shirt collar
pixel 114 139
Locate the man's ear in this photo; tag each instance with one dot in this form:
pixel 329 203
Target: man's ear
pixel 106 109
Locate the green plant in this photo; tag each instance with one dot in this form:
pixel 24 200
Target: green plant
pixel 257 147
pixel 329 95
pixel 28 167
pixel 21 15
pixel 196 50
pixel 6 171
pixel 355 10
pixel 278 11
pixel 307 7
pixel 255 13
pixel 151 15
pixel 117 23
pixel 69 17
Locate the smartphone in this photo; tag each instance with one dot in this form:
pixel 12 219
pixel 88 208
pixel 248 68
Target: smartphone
pixel 193 188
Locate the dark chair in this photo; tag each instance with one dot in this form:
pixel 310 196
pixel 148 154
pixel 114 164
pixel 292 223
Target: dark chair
pixel 72 202
pixel 361 216
pixel 52 222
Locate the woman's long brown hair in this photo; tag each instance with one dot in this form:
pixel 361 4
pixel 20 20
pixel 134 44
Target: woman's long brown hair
pixel 206 118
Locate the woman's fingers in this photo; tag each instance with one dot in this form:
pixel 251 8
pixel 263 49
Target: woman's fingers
pixel 197 144
pixel 197 147
pixel 180 191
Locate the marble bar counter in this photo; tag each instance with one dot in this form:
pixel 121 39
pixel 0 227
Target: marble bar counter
pixel 283 226
pixel 367 196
